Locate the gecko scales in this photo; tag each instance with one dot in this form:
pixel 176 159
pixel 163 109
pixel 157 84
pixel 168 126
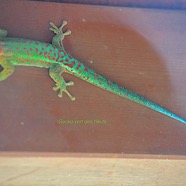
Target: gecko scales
pixel 24 52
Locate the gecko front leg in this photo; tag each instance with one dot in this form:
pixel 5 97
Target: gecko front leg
pixel 57 40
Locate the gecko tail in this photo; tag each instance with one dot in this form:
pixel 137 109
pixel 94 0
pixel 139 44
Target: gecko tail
pixel 134 97
pixel 89 75
pixel 147 103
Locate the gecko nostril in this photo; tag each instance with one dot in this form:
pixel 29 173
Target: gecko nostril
pixel 1 68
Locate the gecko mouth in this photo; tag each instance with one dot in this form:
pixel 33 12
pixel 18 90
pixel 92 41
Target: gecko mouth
pixel 1 68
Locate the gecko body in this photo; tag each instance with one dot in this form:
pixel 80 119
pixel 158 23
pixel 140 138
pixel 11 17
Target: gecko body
pixel 24 52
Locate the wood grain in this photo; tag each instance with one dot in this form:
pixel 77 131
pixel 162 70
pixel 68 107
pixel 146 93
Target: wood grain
pixel 91 171
pixel 142 49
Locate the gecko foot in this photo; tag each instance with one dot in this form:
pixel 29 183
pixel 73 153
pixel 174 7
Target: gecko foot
pixel 55 73
pixel 57 40
pixel 62 88
pixel 59 31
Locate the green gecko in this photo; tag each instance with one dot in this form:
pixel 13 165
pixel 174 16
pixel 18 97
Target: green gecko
pixel 24 52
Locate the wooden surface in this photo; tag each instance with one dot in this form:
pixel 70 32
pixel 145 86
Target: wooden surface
pixel 73 171
pixel 142 49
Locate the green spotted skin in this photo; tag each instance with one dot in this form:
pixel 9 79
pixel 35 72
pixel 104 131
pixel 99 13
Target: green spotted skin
pixel 23 52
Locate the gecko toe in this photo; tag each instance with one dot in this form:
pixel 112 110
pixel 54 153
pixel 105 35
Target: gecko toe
pixel 70 83
pixel 60 95
pixel 55 88
pixel 73 98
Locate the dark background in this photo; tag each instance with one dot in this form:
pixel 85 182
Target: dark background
pixel 158 4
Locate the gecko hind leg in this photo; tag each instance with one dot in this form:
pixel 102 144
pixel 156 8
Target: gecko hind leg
pixel 55 73
pixel 6 69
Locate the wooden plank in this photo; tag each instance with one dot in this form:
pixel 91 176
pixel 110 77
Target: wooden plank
pixel 90 171
pixel 141 49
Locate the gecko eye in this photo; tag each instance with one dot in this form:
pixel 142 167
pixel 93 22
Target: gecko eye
pixel 1 68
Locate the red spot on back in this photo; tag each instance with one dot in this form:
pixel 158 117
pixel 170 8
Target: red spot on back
pixel 79 64
pixel 109 82
pixel 96 76
pixel 49 56
pixel 31 49
pixel 70 65
pixel 58 56
pixel 40 53
pixel 86 69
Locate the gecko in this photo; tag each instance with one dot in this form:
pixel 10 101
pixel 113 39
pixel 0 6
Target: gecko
pixel 25 52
